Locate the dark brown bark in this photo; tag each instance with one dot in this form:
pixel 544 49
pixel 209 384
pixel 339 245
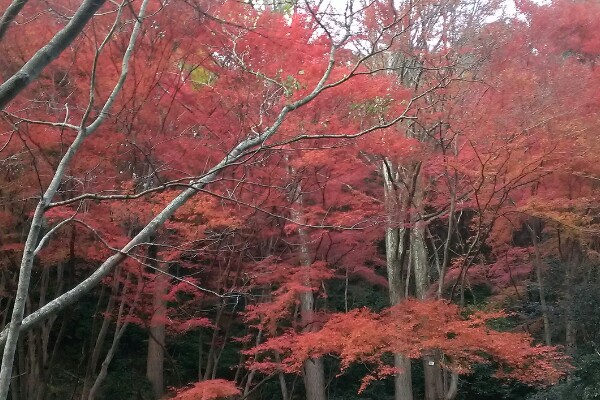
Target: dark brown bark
pixel 210 358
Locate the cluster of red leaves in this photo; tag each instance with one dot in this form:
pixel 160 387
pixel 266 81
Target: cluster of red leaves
pixel 415 328
pixel 292 282
pixel 213 389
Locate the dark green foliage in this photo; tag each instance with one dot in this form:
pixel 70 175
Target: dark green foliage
pixel 346 386
pixel 126 380
pixel 359 294
pixel 584 383
pixel 481 385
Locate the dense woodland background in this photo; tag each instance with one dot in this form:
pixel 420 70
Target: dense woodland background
pixel 298 200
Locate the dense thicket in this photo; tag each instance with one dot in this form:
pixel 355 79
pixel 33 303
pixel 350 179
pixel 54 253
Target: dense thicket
pixel 286 200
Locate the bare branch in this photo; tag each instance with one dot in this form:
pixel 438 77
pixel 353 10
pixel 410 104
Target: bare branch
pixel 44 56
pixel 10 14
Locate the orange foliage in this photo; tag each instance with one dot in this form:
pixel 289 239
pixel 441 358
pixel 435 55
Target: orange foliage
pixel 415 329
pixel 213 389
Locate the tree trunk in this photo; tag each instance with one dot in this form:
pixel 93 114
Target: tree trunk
pixel 396 236
pixel 538 272
pixel 200 355
pixel 434 383
pixel 119 330
pixel 100 338
pixel 570 324
pixel 313 369
pixel 120 327
pixel 156 331
pixel 452 389
pixel 282 382
pixel 10 14
pixel 210 359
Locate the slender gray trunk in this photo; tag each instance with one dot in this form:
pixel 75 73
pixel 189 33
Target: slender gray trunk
pixel 570 322
pixel 395 245
pixel 9 90
pixel 452 389
pixel 111 262
pixel 538 272
pixel 434 384
pixel 157 331
pixel 95 355
pixel 313 369
pixel 120 327
pixel 200 355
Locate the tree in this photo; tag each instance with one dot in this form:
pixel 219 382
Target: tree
pixel 326 77
pixel 236 182
pixel 209 390
pixel 13 85
pixel 414 328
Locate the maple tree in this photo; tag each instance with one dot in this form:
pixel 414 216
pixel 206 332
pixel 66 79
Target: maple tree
pixel 85 130
pixel 209 390
pixel 416 328
pixel 220 169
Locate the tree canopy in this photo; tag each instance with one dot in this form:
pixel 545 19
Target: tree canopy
pixel 224 199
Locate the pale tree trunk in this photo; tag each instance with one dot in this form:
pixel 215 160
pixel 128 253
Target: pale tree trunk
pixel 538 272
pixel 156 330
pixel 313 369
pixel 252 372
pixel 10 335
pixel 21 370
pixel 282 382
pixel 8 90
pixel 572 264
pixel 452 387
pixel 395 245
pixel 46 330
pixel 119 330
pixel 221 349
pixel 200 355
pixel 434 384
pixel 33 373
pixel 10 14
